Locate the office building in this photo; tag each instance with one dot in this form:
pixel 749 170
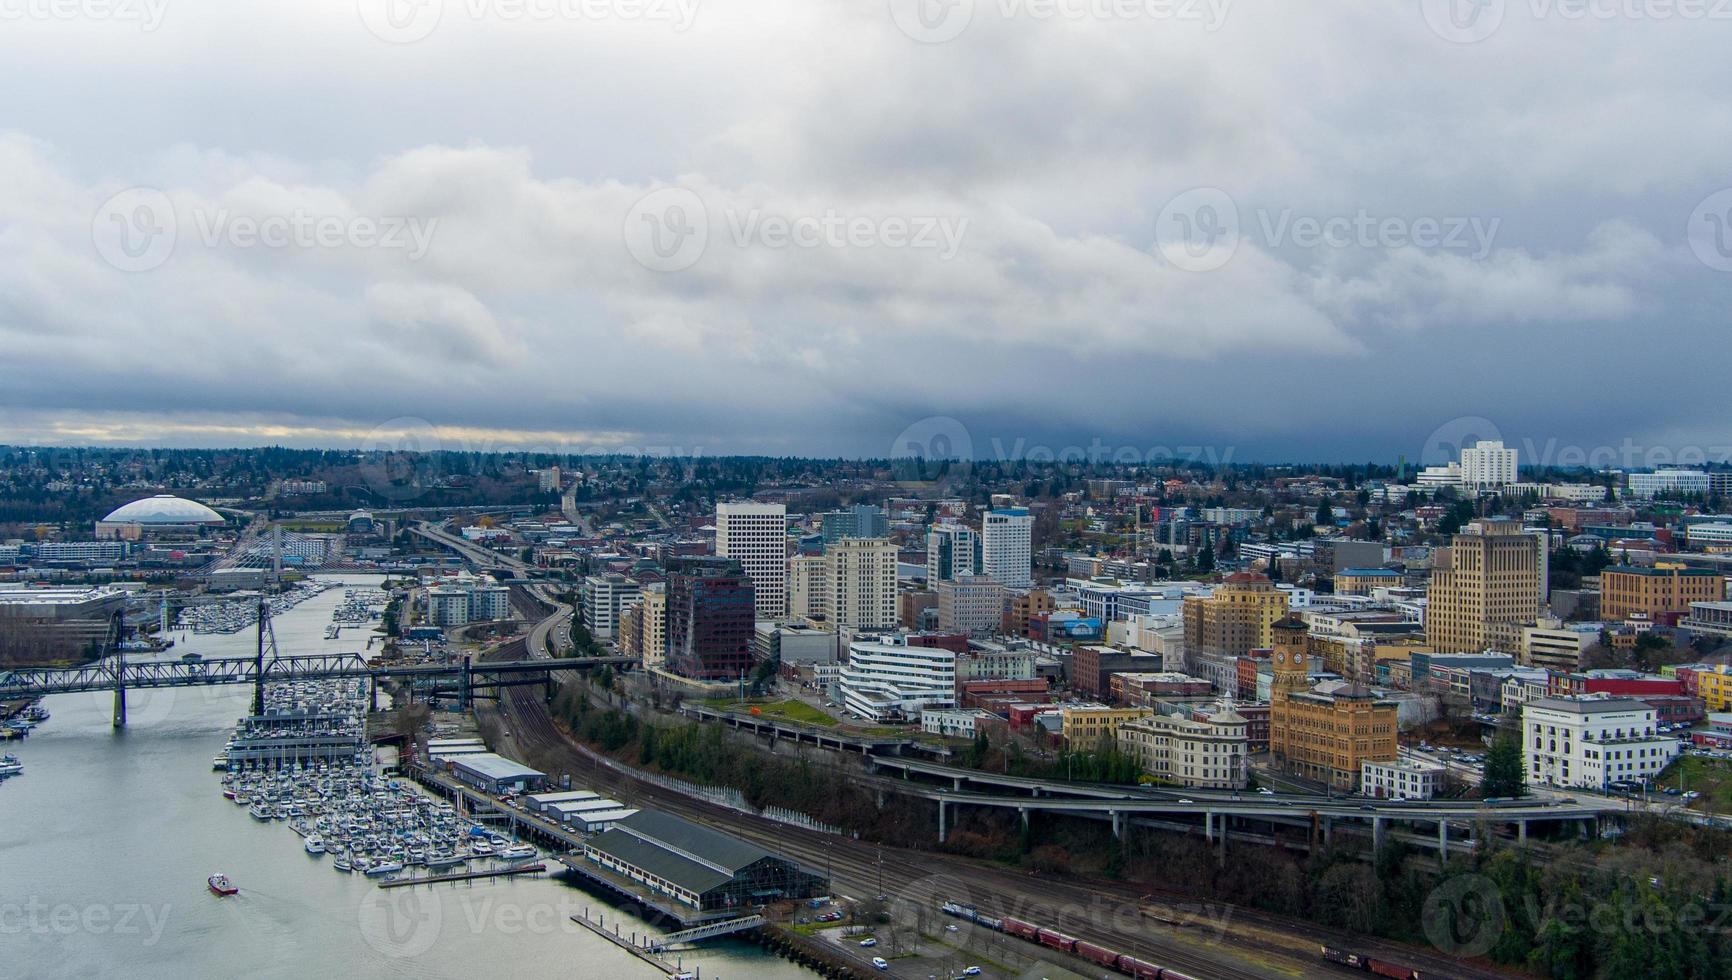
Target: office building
pixel 1487 465
pixel 809 587
pixel 1323 737
pixel 42 625
pixel 756 536
pixel 653 622
pixel 952 551
pixel 710 619
pixel 1494 574
pixel 1593 742
pixel 1402 779
pixel 1658 592
pixel 1007 547
pixel 605 597
pixel 1205 753
pixel 887 679
pixel 973 604
pixel 861 580
pixel 858 521
pixel 1233 619
pixel 1668 483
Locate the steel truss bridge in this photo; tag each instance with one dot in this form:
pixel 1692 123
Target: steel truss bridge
pixel 463 680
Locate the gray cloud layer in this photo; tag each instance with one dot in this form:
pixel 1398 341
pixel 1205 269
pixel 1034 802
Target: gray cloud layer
pixel 454 231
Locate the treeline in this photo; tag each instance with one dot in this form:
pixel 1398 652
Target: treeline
pixel 1657 905
pixel 703 754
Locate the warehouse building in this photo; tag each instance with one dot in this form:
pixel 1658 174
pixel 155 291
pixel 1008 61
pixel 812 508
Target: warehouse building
pixel 699 869
pixel 495 773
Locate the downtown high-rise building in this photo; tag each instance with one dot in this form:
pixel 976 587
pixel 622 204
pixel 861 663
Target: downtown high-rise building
pixel 1007 547
pixel 952 552
pixel 756 536
pixel 709 619
pixel 1485 586
pixel 861 580
pixel 858 521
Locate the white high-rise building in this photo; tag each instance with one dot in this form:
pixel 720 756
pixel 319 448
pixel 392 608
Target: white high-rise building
pixel 756 536
pixel 605 599
pixel 809 586
pixel 950 553
pixel 1007 547
pixel 861 580
pixel 1486 465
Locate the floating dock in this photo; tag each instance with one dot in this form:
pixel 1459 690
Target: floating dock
pixel 526 869
pixel 642 952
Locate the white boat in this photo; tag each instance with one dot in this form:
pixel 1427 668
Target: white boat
pixel 341 863
pixel 518 852
pixel 10 766
pixel 383 868
pixel 315 844
pixel 481 848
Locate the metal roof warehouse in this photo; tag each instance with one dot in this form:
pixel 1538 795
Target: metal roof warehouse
pixel 698 867
pixel 495 773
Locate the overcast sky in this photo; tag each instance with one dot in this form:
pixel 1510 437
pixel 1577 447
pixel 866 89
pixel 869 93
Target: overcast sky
pixel 1257 229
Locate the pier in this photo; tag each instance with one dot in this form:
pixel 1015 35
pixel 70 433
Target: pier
pixel 526 869
pixel 630 945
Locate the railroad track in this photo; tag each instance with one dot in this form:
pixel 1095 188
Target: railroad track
pixel 998 891
pixel 855 866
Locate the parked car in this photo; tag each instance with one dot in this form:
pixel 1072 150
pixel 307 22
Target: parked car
pixel 868 942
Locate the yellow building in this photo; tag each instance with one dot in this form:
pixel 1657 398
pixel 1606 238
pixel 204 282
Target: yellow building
pixel 1085 728
pixel 1652 592
pixel 1492 575
pixel 1235 618
pixel 1715 688
pixel 1324 737
pixel 653 624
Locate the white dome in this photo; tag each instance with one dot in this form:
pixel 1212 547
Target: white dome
pixel 164 509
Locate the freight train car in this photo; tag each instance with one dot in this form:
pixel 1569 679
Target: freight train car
pixel 1057 940
pixel 1099 955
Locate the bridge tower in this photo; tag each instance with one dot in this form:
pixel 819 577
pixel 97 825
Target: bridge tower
pixel 119 687
pixel 465 692
pixel 259 658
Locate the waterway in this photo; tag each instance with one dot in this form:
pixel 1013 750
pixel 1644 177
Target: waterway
pixel 107 838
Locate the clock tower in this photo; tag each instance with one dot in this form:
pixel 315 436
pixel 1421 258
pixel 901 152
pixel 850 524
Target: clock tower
pixel 1290 660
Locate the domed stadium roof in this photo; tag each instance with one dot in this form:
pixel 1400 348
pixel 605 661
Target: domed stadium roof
pixel 164 509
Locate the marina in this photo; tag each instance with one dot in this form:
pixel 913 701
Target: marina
pixel 139 821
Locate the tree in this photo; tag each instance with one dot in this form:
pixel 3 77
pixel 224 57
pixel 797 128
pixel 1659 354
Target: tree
pixel 1504 775
pixel 1325 514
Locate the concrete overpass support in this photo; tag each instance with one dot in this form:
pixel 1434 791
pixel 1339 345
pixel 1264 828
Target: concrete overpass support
pixel 956 784
pixel 1521 831
pixel 1376 834
pixel 1024 811
pixel 1443 841
pixel 1118 824
pixel 941 827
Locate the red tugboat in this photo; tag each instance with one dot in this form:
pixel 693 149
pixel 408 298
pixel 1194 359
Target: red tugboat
pixel 219 885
